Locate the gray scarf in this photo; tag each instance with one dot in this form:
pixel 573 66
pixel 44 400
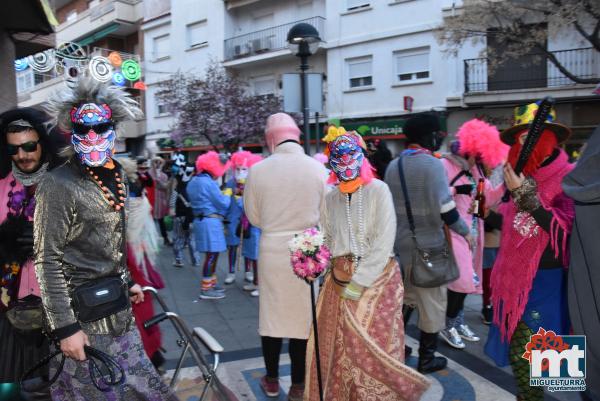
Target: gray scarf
pixel 29 179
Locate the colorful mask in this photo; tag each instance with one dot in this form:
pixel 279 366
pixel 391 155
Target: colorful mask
pixel 93 133
pixel 346 157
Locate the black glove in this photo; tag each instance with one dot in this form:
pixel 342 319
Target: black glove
pixel 25 239
pixel 465 189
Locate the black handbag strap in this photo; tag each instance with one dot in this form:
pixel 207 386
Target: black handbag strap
pixel 409 215
pixel 95 358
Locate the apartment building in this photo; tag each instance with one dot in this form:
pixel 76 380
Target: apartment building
pixel 477 91
pixel 97 28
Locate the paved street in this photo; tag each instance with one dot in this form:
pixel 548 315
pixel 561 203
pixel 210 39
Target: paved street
pixel 233 321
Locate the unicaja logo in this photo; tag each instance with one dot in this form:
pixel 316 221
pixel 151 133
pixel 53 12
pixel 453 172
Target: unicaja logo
pixel 556 362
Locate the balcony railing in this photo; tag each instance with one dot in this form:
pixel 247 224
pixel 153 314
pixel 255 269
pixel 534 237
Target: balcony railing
pixel 531 71
pixel 265 40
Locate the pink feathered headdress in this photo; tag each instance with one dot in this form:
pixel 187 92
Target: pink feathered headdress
pixel 481 139
pixel 254 158
pixel 211 163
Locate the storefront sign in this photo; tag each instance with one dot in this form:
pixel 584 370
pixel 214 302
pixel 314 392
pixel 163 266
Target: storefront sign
pixel 392 129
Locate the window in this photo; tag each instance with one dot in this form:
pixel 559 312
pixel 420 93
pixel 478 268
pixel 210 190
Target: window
pixel 360 72
pixel 412 65
pixel 264 85
pixel 24 80
pixel 197 34
pixel 161 109
pixel 160 49
pixel 356 4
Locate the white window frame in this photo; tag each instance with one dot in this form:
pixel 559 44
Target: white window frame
pixel 352 5
pixel 358 60
pixel 25 80
pixel 264 78
pixel 157 57
pixel 414 74
pixel 162 113
pixel 188 36
pixel 71 16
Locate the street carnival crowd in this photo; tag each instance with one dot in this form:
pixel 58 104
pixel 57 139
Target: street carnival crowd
pixel 414 234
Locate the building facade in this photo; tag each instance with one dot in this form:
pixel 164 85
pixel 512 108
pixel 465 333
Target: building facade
pixel 97 28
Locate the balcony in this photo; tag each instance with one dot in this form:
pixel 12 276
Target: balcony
pixel 112 16
pixel 266 40
pixel 532 73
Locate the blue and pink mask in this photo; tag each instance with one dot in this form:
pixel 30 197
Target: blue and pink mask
pixel 93 133
pixel 346 157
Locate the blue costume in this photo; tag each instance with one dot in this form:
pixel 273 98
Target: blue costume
pixel 207 200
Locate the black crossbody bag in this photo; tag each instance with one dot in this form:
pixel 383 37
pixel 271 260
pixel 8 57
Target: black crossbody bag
pixel 431 267
pixel 100 298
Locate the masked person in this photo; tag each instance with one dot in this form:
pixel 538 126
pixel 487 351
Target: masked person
pixel 209 206
pixel 477 147
pixel 142 252
pixel 27 152
pixel 432 208
pixel 283 196
pixel 250 245
pixel 235 186
pixel 160 201
pixel 361 320
pixel 80 250
pixel 581 185
pixel 181 209
pixel 529 277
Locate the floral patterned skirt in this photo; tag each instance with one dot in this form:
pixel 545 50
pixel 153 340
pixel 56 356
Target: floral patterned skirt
pixel 361 344
pixel 142 382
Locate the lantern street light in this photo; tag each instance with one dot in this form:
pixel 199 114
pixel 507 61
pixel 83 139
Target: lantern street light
pixel 303 40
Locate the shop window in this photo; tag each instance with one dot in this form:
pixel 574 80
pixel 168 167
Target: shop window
pixel 412 65
pixel 360 72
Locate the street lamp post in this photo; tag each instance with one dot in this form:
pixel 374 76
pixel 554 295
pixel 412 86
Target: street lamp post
pixel 303 40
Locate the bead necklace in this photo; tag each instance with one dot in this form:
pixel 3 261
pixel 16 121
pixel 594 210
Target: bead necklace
pixel 110 197
pixel 356 247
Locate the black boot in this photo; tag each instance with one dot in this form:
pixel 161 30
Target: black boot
pixel 428 362
pixel 406 312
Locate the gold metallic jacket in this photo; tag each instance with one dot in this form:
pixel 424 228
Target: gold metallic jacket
pixel 78 237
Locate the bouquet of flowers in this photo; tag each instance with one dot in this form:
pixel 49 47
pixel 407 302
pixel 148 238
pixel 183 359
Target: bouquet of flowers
pixel 309 254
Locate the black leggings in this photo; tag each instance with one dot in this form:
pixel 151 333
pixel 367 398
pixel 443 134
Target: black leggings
pixel 456 301
pixel 271 347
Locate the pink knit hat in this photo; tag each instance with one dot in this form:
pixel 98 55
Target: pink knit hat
pixel 280 127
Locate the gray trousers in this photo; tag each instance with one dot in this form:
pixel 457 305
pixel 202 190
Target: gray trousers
pixel 429 302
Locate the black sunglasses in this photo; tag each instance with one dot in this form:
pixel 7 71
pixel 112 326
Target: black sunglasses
pixel 82 129
pixel 28 147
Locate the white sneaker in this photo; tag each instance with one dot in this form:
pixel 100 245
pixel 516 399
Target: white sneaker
pixel 250 287
pixel 466 333
pixel 230 278
pixel 254 293
pixel 249 277
pixel 452 338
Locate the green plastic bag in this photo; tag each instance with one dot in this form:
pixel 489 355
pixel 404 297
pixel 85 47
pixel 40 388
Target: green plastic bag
pixel 168 220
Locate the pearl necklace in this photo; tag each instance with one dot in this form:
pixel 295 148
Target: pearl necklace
pixel 356 247
pixel 110 197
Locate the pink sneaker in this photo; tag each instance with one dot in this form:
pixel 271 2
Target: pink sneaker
pixel 296 392
pixel 270 386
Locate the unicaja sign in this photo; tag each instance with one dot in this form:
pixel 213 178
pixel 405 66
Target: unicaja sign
pixel 556 362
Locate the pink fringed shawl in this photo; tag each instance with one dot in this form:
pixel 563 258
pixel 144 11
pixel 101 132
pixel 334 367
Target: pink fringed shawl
pixel 519 256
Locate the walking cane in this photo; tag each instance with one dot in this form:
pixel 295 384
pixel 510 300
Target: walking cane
pixel 316 333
